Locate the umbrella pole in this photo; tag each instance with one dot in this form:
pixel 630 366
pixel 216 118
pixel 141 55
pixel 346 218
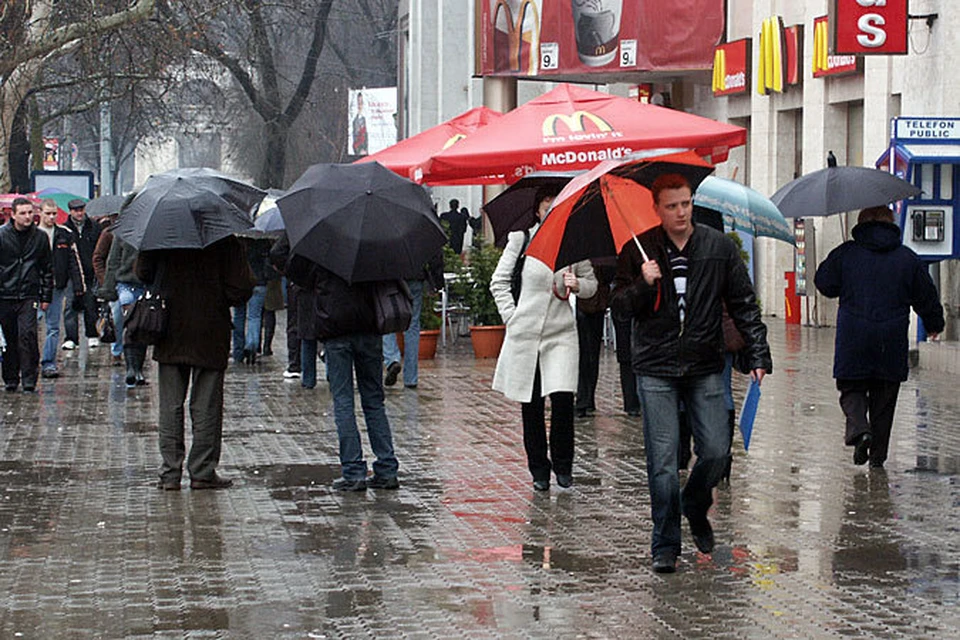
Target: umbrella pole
pixel 610 193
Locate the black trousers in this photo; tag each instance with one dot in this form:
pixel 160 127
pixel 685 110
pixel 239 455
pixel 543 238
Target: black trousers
pixel 590 335
pixel 535 432
pixel 628 379
pixel 91 311
pixel 21 360
pixel 869 406
pixel 293 334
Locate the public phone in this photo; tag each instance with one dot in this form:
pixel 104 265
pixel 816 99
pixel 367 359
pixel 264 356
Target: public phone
pixel 928 225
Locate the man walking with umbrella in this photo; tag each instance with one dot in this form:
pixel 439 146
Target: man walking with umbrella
pixel 675 299
pixel 877 280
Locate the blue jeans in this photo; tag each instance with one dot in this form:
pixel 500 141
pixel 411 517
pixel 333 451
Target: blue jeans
pixel 51 343
pixel 411 340
pixel 116 349
pixel 247 321
pixel 702 397
pixel 361 353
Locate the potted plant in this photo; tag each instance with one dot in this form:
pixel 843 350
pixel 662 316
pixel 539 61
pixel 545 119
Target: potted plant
pixel 429 326
pixel 487 330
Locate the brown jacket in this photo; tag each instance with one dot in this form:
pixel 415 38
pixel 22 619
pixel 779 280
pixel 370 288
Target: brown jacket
pixel 100 254
pixel 199 286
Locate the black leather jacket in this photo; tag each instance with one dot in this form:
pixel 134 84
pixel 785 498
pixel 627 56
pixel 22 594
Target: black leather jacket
pixel 660 346
pixel 25 264
pixel 66 261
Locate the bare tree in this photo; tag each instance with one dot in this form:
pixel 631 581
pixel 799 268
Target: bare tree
pixel 32 35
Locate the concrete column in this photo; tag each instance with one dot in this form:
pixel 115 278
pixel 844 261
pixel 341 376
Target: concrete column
pixel 500 94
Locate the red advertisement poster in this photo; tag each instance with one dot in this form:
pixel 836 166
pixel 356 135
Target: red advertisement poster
pixel 550 38
pixel 731 68
pixel 870 27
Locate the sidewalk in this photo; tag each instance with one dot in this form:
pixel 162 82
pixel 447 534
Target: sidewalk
pixel 808 545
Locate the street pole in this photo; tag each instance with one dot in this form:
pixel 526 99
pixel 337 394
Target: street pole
pixel 106 160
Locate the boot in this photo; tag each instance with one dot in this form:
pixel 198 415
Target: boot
pixel 732 424
pixel 130 357
pixel 141 358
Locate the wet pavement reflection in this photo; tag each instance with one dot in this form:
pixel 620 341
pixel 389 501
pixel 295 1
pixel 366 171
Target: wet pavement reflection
pixel 809 546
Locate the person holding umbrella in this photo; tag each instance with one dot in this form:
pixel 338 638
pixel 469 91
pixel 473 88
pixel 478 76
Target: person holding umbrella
pixel 540 353
pixel 672 282
pixel 877 280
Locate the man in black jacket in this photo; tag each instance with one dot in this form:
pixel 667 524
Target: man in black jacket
pixel 675 300
pixel 68 283
pixel 877 280
pixel 25 287
pixel 86 233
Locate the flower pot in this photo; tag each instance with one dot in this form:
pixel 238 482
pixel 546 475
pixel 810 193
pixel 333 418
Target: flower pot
pixel 428 343
pixel 487 340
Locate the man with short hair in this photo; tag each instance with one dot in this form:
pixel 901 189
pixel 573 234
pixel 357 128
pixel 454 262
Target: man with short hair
pixel 25 287
pixel 86 233
pixel 674 296
pixel 67 283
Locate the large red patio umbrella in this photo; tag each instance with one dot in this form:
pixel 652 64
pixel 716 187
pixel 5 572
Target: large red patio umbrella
pixel 571 128
pixel 402 158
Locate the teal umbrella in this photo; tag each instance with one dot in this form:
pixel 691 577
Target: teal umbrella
pixel 743 208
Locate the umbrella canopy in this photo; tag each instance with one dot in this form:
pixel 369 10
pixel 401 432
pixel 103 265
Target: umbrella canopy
pixel 187 209
pixel 516 208
pixel 104 206
pixel 572 128
pixel 600 211
pixel 743 208
pixel 361 221
pixel 405 156
pixel 839 189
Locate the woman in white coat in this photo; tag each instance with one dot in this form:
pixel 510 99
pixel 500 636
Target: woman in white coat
pixel 540 352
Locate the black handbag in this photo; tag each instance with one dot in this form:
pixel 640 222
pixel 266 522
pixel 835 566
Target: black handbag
pixel 106 329
pixel 392 305
pixel 145 321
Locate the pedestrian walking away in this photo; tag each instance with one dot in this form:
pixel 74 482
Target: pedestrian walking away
pixel 199 287
pixel 540 352
pixel 675 300
pixel 26 283
pixel 877 281
pixel 121 285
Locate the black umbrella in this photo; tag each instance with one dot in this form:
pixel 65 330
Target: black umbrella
pixel 516 208
pixel 838 189
pixel 104 206
pixel 187 209
pixel 361 221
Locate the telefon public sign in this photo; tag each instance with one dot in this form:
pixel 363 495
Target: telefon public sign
pixel 869 27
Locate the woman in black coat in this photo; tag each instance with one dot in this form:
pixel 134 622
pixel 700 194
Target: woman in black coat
pixel 877 280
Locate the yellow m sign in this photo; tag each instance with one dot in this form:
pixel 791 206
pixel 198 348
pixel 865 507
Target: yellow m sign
pixel 575 122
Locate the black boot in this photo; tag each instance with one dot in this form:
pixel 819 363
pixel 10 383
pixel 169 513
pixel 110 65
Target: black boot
pixel 130 357
pixel 141 358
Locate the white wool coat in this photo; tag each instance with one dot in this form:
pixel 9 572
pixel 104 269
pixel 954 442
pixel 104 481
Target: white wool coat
pixel 540 326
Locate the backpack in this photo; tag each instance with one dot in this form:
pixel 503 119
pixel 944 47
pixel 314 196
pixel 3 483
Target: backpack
pixel 392 305
pixel 516 276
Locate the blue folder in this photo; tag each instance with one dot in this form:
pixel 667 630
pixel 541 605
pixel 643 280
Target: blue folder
pixel 749 412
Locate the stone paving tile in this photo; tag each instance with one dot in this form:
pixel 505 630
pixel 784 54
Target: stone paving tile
pixel 809 546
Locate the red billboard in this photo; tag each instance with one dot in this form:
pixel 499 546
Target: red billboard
pixel 543 38
pixel 868 27
pixel 731 68
pixel 825 63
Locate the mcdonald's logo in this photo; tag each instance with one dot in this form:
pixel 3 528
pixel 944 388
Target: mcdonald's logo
pixel 512 43
pixel 825 64
pixel 575 122
pixel 731 66
pixel 770 61
pixel 454 139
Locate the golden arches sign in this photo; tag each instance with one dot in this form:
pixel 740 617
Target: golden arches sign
pixel 575 122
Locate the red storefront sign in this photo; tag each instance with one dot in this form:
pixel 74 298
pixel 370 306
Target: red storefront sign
pixel 731 68
pixel 867 27
pixel 825 63
pixel 543 38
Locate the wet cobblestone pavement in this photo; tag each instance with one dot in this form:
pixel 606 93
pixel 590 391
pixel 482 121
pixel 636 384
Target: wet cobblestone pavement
pixel 809 546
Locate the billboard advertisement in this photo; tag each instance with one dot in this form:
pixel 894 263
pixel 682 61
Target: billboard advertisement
pixel 371 120
pixel 827 64
pixel 731 68
pixel 865 27
pixel 544 38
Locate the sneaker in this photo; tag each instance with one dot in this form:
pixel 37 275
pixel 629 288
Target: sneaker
pixel 69 345
pixel 290 375
pixel 392 372
pixel 93 343
pixel 382 482
pixel 50 373
pixel 342 484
